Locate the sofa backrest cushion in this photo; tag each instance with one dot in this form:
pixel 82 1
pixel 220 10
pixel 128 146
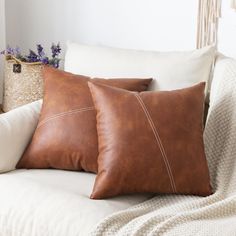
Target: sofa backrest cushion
pixel 170 70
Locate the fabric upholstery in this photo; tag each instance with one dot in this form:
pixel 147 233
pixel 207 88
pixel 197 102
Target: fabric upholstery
pixel 169 70
pixel 54 203
pixel 16 130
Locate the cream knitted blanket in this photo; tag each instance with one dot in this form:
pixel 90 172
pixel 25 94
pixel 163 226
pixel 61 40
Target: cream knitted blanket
pixel 191 215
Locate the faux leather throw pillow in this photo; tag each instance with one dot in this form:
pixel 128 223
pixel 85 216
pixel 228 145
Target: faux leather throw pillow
pixel 66 136
pixel 150 142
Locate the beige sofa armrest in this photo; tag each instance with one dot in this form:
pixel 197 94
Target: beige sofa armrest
pixel 16 129
pixel 224 67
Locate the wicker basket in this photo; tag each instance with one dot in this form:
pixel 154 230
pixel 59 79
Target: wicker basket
pixel 23 83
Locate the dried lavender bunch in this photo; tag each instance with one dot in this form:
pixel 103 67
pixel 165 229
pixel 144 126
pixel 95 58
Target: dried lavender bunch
pixel 39 56
pixel 11 51
pixel 32 57
pixel 40 50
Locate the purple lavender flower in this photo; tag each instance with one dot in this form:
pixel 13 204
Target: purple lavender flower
pixel 9 50
pixel 39 56
pixel 32 57
pixel 12 51
pixel 17 51
pixel 56 50
pixel 45 60
pixel 40 50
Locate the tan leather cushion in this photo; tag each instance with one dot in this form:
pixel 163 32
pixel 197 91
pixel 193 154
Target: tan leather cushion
pixel 150 142
pixel 66 136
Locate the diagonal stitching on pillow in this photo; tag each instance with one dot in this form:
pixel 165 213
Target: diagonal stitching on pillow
pixel 62 114
pixel 158 140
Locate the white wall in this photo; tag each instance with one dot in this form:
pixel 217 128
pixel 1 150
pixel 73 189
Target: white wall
pixel 2 41
pixel 227 30
pixel 142 24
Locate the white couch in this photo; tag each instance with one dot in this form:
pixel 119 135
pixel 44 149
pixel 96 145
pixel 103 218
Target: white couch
pixel 51 202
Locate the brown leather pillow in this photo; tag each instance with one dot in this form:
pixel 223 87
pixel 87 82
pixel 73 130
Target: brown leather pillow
pixel 150 142
pixel 66 136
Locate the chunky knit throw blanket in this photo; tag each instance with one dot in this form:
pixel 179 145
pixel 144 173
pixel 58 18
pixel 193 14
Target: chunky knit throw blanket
pixel 190 215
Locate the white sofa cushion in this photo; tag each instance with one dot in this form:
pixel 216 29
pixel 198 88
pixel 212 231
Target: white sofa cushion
pixel 54 203
pixel 170 70
pixel 16 129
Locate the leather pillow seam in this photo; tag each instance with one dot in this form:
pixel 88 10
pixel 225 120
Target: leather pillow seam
pixel 158 140
pixel 62 114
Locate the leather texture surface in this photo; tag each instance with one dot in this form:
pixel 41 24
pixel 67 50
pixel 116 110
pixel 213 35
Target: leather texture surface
pixel 66 136
pixel 150 142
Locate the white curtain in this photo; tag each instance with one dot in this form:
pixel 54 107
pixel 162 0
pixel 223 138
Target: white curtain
pixel 2 43
pixel 233 4
pixel 208 16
